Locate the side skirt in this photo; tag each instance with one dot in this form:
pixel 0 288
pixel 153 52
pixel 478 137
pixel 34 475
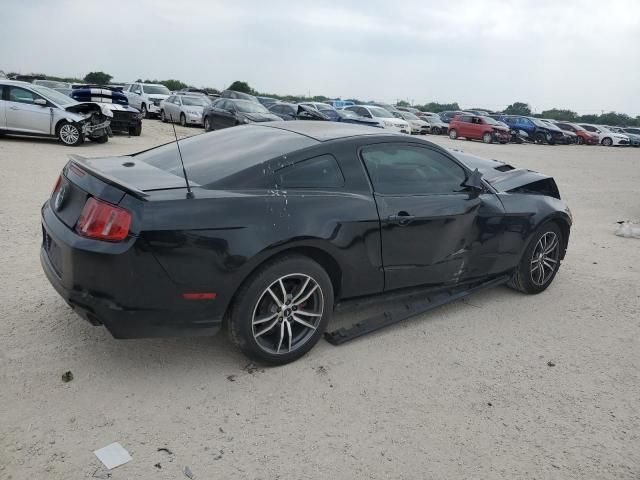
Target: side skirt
pixel 408 309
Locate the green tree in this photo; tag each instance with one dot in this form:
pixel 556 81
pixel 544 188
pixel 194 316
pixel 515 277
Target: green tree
pixel 518 108
pixel 560 114
pixel 173 84
pixel 403 103
pixel 239 86
pixel 99 78
pixel 590 118
pixel 438 107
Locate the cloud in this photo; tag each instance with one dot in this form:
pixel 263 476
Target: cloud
pixel 573 54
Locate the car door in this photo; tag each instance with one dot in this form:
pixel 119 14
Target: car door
pixel 176 108
pixel 23 115
pixel 433 230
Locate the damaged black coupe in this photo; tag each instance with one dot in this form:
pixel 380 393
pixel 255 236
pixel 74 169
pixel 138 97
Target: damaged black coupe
pixel 274 224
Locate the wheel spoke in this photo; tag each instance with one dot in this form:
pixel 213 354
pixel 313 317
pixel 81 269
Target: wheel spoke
pixel 549 259
pixel 275 298
pixel 551 248
pixel 535 268
pixel 259 320
pixel 306 282
pixel 284 291
pixel 302 322
pixel 281 337
pixel 304 299
pixel 289 331
pixel 308 314
pixel 271 325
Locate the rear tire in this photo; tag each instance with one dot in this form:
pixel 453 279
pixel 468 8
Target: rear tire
pixel 262 326
pixel 537 269
pixel 453 134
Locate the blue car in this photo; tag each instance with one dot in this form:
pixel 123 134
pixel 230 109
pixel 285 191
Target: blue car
pixel 537 130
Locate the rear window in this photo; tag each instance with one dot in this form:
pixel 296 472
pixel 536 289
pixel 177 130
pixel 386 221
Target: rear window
pixel 229 158
pixel 318 172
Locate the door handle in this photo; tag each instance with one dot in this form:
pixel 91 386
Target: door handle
pixel 402 218
pixel 14 108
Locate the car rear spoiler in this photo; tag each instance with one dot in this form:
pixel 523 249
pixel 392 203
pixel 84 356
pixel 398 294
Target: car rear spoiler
pixel 81 162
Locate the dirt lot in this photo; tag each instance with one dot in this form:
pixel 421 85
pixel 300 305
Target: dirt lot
pixel 466 391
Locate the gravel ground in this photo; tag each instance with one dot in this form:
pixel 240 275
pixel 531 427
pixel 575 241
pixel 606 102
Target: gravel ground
pixel 466 391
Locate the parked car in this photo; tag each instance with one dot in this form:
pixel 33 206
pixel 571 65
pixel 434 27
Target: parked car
pixel 538 131
pixel 186 109
pixel 192 91
pixel 482 113
pixel 448 115
pixel 228 247
pixel 389 108
pixel 384 118
pixel 349 116
pixel 146 97
pixel 634 138
pixel 325 109
pixel 418 126
pixel 475 127
pixel 606 136
pixel 296 111
pixel 436 125
pixel 413 110
pixel 341 103
pixel 267 101
pixel 126 119
pixel 52 84
pixel 193 94
pixel 583 136
pixel 27 109
pixel 238 96
pixel 629 131
pixel 228 112
pixel 568 137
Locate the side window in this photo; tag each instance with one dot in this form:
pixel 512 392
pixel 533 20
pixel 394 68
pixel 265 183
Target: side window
pixel 409 170
pixel 20 95
pixel 317 172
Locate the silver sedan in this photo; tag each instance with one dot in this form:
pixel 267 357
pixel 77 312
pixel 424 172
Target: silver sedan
pixel 186 109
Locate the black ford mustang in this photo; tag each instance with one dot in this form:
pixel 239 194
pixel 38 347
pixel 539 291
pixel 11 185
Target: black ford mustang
pixel 281 221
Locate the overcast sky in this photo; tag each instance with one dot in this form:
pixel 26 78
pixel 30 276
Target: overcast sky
pixel 582 55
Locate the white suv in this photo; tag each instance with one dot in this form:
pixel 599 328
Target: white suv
pixel 146 97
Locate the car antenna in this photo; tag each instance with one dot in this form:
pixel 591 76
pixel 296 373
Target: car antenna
pixel 184 170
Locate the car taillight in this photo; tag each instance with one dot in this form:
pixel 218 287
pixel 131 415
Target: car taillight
pixel 103 221
pixel 57 185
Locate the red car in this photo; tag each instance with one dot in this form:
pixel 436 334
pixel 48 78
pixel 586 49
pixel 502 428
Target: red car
pixel 584 137
pixel 476 127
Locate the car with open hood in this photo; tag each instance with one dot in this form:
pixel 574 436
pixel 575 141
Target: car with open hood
pixel 126 119
pixel 27 109
pixel 264 228
pixel 146 97
pixel 296 111
pixel 230 112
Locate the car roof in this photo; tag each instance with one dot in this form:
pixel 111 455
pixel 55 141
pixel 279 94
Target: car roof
pixel 323 131
pixel 17 83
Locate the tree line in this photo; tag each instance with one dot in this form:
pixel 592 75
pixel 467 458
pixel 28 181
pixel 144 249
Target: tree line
pixel 516 108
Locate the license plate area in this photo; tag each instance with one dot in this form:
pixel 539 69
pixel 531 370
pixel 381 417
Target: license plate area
pixel 53 252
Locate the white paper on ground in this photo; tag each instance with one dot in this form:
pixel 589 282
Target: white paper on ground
pixel 113 455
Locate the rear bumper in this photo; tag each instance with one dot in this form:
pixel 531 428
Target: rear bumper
pixel 142 303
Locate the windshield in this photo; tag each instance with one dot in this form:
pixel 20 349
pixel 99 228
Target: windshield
pixel 380 112
pixel 247 106
pixel 156 90
pixel 52 84
pixel 409 116
pixel 348 114
pixel 55 97
pixel 491 121
pixel 604 129
pixel 195 101
pixel 542 123
pixel 330 113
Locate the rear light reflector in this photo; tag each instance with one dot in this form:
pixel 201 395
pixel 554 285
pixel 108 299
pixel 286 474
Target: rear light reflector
pixel 199 296
pixel 103 221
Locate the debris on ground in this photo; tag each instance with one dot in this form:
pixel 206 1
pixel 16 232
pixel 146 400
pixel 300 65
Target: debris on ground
pixel 101 473
pixel 187 472
pixel 67 377
pixel 321 370
pixel 158 466
pixel 628 230
pixel 551 364
pixel 112 455
pixel 252 368
pixel 166 450
pixel 231 378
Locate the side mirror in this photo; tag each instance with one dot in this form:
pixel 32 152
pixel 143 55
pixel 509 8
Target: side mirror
pixel 40 101
pixel 474 182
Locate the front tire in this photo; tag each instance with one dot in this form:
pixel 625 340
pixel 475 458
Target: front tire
pixel 453 134
pixel 135 131
pixel 143 111
pixel 435 130
pixel 102 139
pixel 281 312
pixel 540 261
pixel 607 142
pixel 487 138
pixel 183 120
pixel 163 117
pixel 207 124
pixel 70 134
pixel 579 141
pixel 540 138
